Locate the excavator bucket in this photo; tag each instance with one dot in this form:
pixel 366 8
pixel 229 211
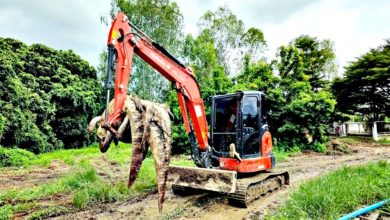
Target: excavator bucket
pixel 222 181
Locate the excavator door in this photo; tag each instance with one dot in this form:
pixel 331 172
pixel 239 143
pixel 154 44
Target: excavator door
pixel 238 119
pixel 239 132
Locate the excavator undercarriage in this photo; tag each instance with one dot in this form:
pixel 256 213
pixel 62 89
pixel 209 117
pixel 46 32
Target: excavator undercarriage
pixel 241 190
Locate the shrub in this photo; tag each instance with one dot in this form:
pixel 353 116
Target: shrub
pixel 14 157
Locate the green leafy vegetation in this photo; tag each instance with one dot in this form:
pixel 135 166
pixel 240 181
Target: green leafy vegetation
pixel 47 97
pixel 229 36
pixel 51 211
pixel 364 89
pixel 281 154
pixel 163 22
pixel 65 184
pixel 338 193
pixel 14 157
pixel 363 140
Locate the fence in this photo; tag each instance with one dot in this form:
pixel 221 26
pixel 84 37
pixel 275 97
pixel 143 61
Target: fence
pixel 377 129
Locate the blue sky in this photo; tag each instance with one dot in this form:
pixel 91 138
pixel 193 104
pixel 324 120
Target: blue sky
pixel 355 26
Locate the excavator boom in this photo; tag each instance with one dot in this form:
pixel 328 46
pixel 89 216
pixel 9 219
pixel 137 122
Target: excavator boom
pixel 124 40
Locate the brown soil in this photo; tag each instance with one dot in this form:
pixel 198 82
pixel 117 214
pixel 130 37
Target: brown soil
pixel 24 178
pixel 214 206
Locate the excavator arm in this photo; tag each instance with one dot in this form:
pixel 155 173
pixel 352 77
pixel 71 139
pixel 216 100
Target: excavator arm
pixel 125 40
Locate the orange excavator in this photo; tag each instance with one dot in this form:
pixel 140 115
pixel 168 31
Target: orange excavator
pixel 233 155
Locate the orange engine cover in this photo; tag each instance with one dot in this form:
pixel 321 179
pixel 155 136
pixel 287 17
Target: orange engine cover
pixel 246 165
pixel 252 164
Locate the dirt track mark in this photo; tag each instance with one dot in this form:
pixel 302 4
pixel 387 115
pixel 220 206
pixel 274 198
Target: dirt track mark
pixel 25 178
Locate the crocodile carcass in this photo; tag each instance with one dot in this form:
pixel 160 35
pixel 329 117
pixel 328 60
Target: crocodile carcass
pixel 150 126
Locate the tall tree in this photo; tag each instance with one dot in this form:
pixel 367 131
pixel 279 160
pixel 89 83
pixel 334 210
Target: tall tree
pixel 307 57
pixel 231 39
pixel 163 22
pixel 318 59
pixel 365 88
pixel 201 55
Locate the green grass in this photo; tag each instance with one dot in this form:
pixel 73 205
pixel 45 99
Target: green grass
pixel 82 183
pixel 282 155
pixel 352 140
pixel 64 184
pixel 100 192
pixel 19 157
pixel 7 210
pixel 14 157
pixel 86 186
pixel 359 140
pixel 338 193
pixel 48 212
pixel 384 141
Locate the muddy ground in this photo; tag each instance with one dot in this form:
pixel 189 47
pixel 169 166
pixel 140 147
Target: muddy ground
pixel 213 206
pixel 198 206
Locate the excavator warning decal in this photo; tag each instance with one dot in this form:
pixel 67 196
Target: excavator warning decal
pixel 198 111
pixel 114 34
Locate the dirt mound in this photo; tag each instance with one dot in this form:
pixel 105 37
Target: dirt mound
pixel 335 147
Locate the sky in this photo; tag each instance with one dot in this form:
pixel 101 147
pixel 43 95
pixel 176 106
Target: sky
pixel 355 26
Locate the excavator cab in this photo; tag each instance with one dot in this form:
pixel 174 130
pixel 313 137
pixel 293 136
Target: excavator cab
pixel 241 152
pixel 238 120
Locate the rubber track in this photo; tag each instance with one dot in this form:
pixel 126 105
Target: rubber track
pixel 245 193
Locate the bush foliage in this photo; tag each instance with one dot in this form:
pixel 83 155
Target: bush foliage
pixel 14 157
pixel 47 97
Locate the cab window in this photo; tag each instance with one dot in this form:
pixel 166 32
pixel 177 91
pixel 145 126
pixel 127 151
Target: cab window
pixel 250 125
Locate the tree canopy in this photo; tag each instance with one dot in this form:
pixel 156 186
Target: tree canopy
pixel 163 22
pixel 47 97
pixel 308 57
pixel 365 88
pixel 231 39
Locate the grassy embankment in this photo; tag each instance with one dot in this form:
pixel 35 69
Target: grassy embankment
pixel 338 193
pixel 84 183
